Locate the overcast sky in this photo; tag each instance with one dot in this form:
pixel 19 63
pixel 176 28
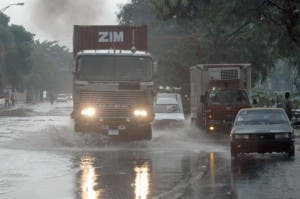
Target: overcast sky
pixel 54 19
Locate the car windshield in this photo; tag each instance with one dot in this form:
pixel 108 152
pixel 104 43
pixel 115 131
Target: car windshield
pixel 114 68
pixel 261 117
pixel 167 108
pixel 227 97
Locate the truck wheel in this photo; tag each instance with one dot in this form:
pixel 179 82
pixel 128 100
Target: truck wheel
pixel 233 153
pixel 291 152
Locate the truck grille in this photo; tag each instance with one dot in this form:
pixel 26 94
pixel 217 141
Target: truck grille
pixel 115 112
pixel 229 74
pixel 113 104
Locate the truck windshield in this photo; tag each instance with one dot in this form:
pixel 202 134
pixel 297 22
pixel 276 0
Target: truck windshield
pixel 228 97
pixel 114 68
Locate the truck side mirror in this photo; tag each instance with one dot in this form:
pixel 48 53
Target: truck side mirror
pixel 202 99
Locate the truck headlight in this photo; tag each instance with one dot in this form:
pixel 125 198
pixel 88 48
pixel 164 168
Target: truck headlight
pixel 140 113
pixel 88 111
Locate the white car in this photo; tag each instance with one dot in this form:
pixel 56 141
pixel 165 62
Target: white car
pixel 168 111
pixel 62 98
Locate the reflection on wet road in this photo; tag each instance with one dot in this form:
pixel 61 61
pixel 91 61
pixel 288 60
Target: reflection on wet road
pixel 41 157
pixel 271 176
pixel 88 179
pixel 141 183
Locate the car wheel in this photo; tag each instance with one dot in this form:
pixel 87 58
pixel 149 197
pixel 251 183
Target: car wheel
pixel 291 152
pixel 233 152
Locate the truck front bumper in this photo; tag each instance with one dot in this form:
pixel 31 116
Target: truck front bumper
pixel 219 125
pixel 104 125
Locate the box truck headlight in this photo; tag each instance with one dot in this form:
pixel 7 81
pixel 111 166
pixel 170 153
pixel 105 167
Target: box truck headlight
pixel 88 111
pixel 140 113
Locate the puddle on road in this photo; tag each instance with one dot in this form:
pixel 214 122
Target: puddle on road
pixel 52 129
pixel 55 158
pixel 56 133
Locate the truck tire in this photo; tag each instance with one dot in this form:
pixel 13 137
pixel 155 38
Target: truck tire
pixel 233 152
pixel 291 152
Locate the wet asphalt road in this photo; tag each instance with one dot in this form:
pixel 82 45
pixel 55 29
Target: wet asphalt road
pixel 41 157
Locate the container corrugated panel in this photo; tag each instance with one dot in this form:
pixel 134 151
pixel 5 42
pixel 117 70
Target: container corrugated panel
pixel 109 37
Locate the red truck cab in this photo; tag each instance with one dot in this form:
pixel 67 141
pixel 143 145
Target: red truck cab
pixel 221 107
pixel 218 92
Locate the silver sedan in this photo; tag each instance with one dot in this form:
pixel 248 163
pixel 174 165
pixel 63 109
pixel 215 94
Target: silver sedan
pixel 262 130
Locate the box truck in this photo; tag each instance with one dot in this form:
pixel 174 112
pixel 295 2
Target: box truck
pixel 218 92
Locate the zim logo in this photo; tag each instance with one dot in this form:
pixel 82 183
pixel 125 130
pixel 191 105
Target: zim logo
pixel 111 37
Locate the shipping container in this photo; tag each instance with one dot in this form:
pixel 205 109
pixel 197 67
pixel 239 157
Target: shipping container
pixel 109 37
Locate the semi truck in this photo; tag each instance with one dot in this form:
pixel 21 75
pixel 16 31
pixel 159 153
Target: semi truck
pixel 218 92
pixel 113 81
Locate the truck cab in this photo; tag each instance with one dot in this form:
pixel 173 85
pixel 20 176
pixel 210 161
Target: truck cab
pixel 221 107
pixel 113 92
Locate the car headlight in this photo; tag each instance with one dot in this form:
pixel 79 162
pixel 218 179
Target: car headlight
pixel 140 113
pixel 241 136
pixel 88 112
pixel 282 136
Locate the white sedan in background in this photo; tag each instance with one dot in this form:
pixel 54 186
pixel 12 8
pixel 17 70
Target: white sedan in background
pixel 62 98
pixel 168 111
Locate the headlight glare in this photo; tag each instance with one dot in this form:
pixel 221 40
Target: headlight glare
pixel 140 113
pixel 88 112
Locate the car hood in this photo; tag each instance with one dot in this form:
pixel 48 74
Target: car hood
pixel 169 116
pixel 276 128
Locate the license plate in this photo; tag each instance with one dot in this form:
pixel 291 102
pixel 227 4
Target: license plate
pixel 113 132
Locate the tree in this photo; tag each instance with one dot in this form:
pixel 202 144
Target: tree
pixel 51 69
pixel 15 50
pixel 255 31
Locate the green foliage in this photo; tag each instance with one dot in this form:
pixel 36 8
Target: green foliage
pixel 51 62
pixel 32 65
pixel 187 32
pixel 15 50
